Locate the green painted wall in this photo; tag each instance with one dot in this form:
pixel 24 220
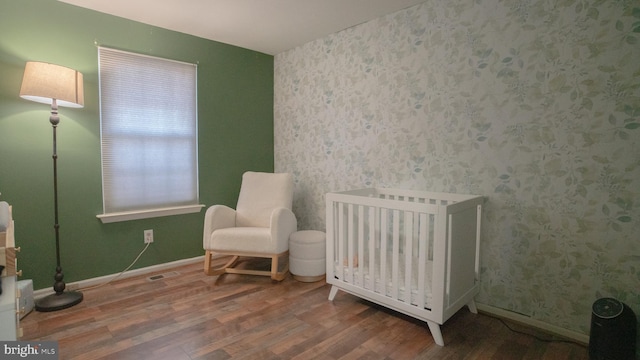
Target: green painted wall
pixel 235 116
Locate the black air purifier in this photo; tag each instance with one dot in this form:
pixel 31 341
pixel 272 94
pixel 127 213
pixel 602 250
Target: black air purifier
pixel 613 331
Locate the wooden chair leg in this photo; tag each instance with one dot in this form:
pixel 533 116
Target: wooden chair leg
pixel 275 274
pixel 207 262
pixel 220 270
pixel 274 267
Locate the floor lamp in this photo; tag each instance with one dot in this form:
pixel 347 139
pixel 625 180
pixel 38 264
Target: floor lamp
pixel 58 86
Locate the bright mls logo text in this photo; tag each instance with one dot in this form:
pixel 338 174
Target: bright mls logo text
pixel 29 349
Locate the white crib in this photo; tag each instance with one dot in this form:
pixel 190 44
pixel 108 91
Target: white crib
pixel 411 251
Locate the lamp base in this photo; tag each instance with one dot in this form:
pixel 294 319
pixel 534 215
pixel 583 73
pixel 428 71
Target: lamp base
pixel 59 301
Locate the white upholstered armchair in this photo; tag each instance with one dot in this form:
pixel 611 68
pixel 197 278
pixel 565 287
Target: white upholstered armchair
pixel 259 226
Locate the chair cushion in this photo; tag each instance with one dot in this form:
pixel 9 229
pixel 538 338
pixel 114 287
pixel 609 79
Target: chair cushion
pixel 260 193
pixel 243 239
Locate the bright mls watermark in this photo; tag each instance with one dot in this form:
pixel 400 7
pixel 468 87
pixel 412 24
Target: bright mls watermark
pixel 29 350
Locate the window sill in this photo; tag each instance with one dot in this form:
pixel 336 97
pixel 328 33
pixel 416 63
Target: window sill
pixel 145 214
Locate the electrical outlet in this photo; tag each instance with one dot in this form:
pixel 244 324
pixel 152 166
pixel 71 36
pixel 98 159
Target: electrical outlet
pixel 148 236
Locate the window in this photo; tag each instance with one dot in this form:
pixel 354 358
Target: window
pixel 148 121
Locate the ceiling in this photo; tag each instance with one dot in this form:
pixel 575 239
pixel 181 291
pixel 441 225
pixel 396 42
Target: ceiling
pixel 268 26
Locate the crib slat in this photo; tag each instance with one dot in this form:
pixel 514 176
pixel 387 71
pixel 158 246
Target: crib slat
pixel 447 286
pixel 408 255
pixel 422 262
pixel 396 254
pixel 478 232
pixel 373 235
pixel 415 257
pixel 360 248
pixel 416 234
pixel 350 241
pixel 340 242
pixel 383 252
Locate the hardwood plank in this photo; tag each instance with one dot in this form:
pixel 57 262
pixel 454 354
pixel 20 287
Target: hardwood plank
pixel 190 315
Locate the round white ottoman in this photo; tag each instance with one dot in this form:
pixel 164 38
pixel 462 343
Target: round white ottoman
pixel 307 255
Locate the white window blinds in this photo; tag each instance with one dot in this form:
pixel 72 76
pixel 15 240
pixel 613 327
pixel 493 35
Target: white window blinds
pixel 148 109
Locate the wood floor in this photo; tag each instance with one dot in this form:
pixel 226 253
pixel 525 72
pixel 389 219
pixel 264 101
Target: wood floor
pixel 188 315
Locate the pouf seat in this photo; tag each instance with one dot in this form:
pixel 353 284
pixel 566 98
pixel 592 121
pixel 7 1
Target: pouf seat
pixel 307 255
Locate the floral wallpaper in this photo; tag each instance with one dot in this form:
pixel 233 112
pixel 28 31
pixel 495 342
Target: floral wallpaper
pixel 534 104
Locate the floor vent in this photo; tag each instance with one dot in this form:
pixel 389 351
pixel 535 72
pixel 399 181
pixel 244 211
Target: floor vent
pixel 163 276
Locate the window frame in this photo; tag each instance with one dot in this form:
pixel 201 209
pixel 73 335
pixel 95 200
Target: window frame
pixel 153 211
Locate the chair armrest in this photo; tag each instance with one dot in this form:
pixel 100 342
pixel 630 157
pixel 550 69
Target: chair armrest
pixel 283 224
pixel 217 217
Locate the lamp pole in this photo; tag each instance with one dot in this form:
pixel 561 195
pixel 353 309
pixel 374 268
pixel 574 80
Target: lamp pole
pixel 60 299
pixel 59 284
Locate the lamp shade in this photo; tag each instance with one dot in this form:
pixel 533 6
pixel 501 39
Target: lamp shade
pixel 43 82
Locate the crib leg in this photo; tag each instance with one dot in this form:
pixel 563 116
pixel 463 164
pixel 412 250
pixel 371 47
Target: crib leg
pixel 472 306
pixel 332 293
pixel 436 333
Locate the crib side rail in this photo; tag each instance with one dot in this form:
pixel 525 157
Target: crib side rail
pixel 417 196
pixel 462 253
pixel 388 203
pixel 385 247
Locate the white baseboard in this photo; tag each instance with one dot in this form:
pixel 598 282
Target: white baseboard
pixel 131 273
pixel 522 319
